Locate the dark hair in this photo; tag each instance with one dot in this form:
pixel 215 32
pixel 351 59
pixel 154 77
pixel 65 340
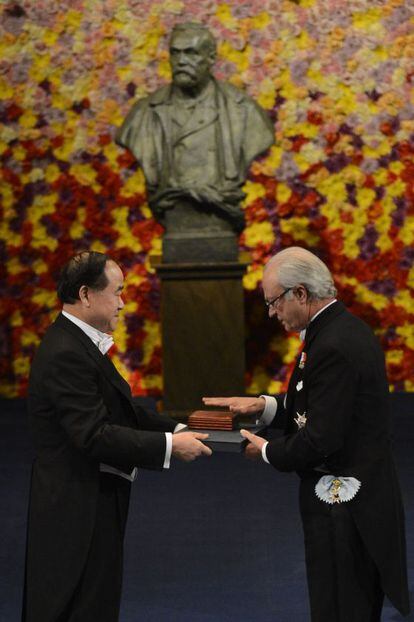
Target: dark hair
pixel 85 268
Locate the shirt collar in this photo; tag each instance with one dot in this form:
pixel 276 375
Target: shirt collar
pixel 302 333
pixel 103 341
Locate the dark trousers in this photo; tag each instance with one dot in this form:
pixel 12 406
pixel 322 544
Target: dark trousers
pixel 98 594
pixel 343 581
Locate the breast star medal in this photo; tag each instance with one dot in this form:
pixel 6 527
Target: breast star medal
pixel 300 420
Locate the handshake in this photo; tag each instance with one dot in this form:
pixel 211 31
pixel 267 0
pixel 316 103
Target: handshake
pixel 188 446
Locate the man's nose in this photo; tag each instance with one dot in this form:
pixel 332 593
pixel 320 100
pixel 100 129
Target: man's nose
pixel 182 58
pixel 121 303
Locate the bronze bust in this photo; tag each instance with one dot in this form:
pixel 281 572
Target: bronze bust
pixel 195 140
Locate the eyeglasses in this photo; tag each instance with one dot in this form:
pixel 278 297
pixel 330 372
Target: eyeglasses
pixel 275 301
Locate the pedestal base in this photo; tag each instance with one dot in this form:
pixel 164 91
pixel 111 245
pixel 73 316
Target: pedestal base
pixel 202 315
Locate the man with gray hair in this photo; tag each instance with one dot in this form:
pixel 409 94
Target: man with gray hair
pixel 336 424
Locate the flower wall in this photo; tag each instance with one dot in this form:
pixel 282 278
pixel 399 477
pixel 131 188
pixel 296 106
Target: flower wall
pixel 336 76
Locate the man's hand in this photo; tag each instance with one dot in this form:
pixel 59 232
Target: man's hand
pixel 187 446
pixel 238 405
pixel 255 444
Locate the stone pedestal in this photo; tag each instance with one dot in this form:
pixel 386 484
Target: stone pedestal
pixel 202 316
pixel 197 233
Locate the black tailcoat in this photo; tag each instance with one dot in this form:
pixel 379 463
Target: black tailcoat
pixel 342 390
pixel 81 414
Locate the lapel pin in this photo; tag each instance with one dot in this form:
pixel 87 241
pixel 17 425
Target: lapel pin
pixel 300 420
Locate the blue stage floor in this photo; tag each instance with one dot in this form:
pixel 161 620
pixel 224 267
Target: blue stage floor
pixel 218 540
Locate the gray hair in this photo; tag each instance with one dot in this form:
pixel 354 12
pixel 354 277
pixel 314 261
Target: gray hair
pixel 297 266
pixel 196 28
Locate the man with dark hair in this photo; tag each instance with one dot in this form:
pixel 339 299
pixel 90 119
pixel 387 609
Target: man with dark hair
pixel 90 437
pixel 337 438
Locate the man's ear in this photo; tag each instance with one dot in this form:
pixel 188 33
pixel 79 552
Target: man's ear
pixel 84 295
pixel 301 293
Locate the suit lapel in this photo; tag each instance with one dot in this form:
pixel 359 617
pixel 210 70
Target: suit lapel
pixel 104 363
pixel 296 393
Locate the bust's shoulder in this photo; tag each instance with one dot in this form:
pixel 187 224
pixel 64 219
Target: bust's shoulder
pixel 160 96
pixel 232 92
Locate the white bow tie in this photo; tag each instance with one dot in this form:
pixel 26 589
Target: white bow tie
pixel 105 343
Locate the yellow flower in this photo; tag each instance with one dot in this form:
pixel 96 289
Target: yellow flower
pixel 39 266
pixel 333 188
pixel 283 193
pixel 298 228
pixel 6 90
pixel 406 233
pixel 52 173
pixel 34 175
pixel 73 19
pixel 240 58
pixel 407 331
pixel 14 266
pixel 223 14
pixel 260 381
pixel 404 299
pixel 44 297
pixel 253 277
pixel 275 386
pixel 21 366
pixel 152 339
pixel 365 197
pixel 410 278
pixel 50 37
pixel 19 153
pixel 125 236
pixel 260 21
pixel 365 295
pixel 377 150
pixel 84 173
pixel 259 232
pixel 99 247
pixel 16 319
pixel 134 185
pixel 28 119
pixel 303 41
pixel 396 167
pixel 150 381
pixel 380 176
pixel 8 391
pixel 253 191
pixel 29 338
pixel 134 279
pixel 396 188
pixel 122 369
pixel 40 68
pixel 352 233
pixel 267 94
pixel 393 357
pixel 409 386
pixel 77 229
pixel 365 20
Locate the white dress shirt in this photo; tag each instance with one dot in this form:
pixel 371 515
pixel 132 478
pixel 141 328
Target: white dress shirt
pixel 104 342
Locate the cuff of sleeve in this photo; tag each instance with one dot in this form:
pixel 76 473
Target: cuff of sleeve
pixel 179 427
pixel 269 411
pixel 264 454
pixel 168 450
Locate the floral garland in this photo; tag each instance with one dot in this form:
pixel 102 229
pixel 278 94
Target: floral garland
pixel 336 76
